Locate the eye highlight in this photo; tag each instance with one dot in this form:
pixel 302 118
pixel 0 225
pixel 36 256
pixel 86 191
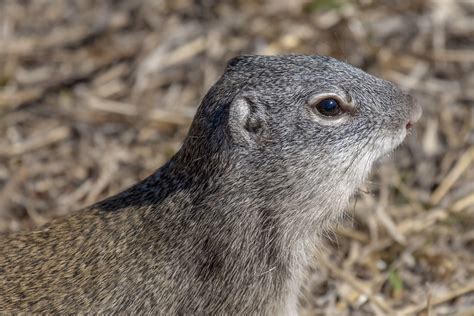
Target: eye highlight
pixel 329 107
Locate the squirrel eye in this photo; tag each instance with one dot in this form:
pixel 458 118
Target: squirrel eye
pixel 329 107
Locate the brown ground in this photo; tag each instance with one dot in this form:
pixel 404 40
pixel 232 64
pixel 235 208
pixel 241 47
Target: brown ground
pixel 95 95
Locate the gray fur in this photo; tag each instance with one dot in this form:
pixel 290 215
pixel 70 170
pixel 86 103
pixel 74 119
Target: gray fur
pixel 228 225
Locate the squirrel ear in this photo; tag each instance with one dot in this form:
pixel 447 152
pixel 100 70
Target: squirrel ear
pixel 246 118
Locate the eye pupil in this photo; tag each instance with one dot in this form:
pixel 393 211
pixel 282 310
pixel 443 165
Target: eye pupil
pixel 329 107
pixel 329 104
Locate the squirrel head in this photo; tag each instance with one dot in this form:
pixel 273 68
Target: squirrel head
pixel 310 123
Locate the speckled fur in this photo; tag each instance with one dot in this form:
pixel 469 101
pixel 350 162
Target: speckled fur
pixel 229 223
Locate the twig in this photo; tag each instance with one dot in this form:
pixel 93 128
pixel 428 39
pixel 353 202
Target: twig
pixel 62 37
pixel 452 176
pixel 353 234
pixel 383 217
pixel 125 109
pixel 356 284
pixel 412 310
pixel 11 100
pixel 451 55
pixel 463 203
pixel 52 136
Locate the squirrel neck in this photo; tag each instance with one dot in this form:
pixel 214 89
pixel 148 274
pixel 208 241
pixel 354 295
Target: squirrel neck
pixel 243 221
pixel 226 215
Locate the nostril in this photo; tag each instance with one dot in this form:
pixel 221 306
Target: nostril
pixel 409 125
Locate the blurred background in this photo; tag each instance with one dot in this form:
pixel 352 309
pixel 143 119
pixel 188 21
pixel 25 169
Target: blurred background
pixel 96 95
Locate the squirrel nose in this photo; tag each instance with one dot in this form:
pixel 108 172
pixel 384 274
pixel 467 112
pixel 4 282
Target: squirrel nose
pixel 415 113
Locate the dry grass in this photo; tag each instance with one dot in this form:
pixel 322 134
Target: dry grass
pixel 95 95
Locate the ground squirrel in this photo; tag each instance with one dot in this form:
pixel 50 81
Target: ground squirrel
pixel 277 147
